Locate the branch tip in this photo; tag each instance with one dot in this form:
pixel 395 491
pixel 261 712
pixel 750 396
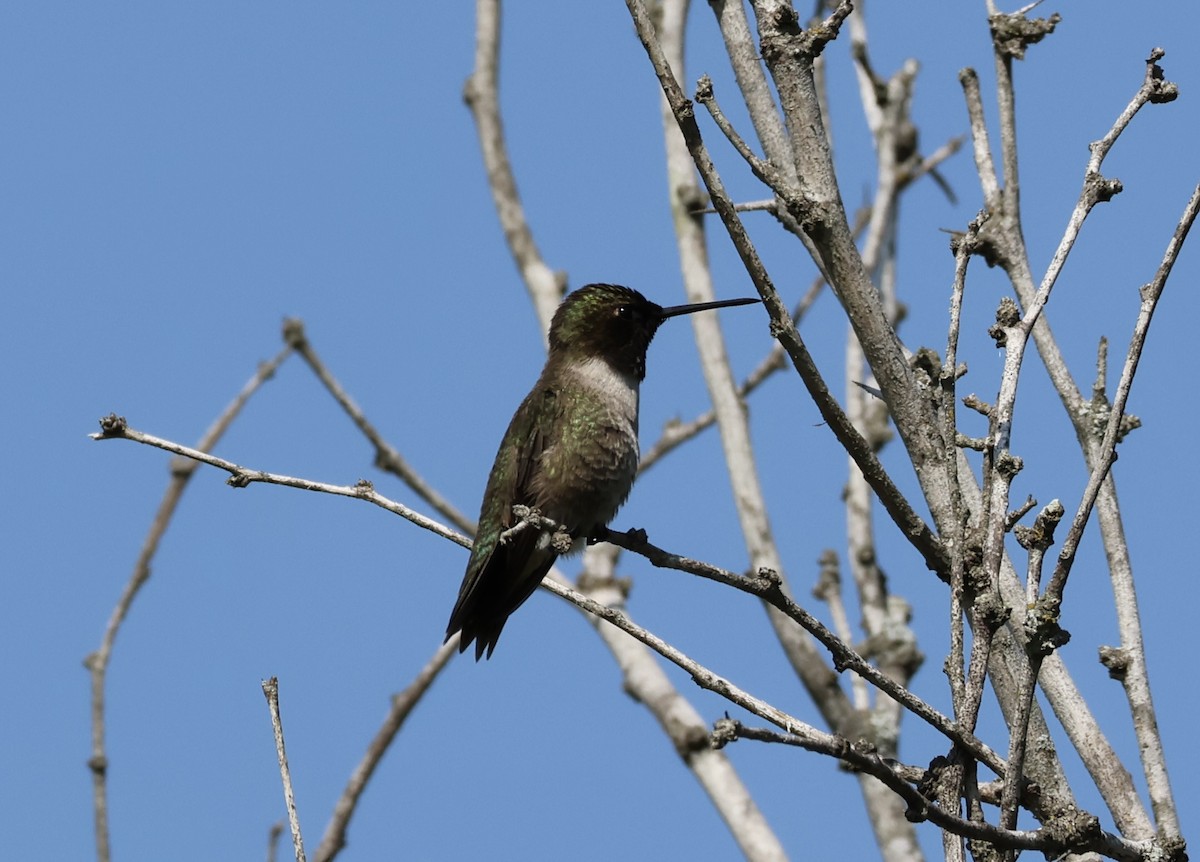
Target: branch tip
pixel 1013 33
pixel 293 333
pixel 1161 90
pixel 111 425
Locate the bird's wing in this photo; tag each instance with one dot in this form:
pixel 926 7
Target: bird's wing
pixel 500 576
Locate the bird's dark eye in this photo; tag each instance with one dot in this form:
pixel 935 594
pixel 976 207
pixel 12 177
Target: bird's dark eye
pixel 624 311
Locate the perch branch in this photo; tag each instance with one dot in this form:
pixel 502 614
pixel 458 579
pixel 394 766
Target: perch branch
pixel 115 427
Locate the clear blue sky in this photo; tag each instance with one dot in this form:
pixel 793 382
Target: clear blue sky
pixel 176 179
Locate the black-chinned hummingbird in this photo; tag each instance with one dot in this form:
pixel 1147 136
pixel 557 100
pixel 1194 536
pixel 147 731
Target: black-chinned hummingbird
pixel 571 452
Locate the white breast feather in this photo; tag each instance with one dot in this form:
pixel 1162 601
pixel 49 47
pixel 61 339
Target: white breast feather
pixel 617 389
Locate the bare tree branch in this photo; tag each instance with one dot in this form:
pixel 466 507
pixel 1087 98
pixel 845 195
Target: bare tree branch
pixel 481 94
pixel 767 586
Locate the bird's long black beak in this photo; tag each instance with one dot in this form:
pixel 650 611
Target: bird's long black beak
pixel 676 310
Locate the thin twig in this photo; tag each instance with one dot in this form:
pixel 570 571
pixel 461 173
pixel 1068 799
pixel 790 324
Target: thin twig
pixel 270 689
pixel 766 586
pixel 273 835
pixel 1005 245
pixel 989 791
pixel 1037 540
pixel 829 590
pixel 115 427
pixel 765 205
pixel 956 539
pixel 985 165
pixel 481 94
pixel 766 172
pixel 929 165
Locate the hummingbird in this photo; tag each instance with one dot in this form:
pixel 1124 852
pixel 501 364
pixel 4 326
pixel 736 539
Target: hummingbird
pixel 570 452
